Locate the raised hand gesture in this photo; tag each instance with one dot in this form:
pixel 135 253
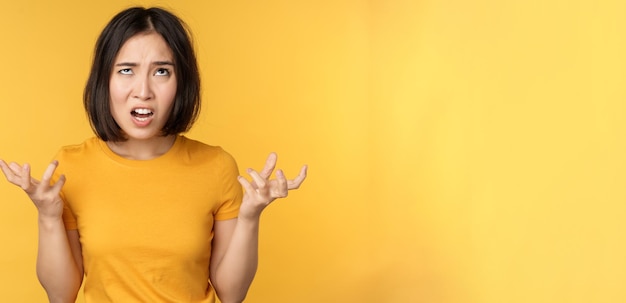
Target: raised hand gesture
pixel 44 195
pixel 263 190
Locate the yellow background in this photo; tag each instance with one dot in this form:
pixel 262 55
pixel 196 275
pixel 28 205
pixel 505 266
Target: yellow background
pixel 459 151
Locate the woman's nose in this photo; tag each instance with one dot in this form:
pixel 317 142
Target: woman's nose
pixel 143 89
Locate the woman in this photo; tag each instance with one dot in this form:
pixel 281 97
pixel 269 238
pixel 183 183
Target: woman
pixel 144 213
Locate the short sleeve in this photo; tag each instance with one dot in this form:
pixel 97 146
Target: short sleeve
pixel 68 216
pixel 231 191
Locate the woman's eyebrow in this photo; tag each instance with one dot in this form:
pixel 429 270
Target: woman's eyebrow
pixel 126 64
pixel 153 63
pixel 163 63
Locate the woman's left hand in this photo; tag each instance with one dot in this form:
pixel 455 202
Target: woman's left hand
pixel 263 190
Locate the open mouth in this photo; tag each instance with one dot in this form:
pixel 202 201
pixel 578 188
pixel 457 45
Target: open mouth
pixel 141 114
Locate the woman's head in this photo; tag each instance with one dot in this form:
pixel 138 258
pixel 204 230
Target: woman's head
pixel 124 26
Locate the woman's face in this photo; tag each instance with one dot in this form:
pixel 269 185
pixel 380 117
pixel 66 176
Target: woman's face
pixel 143 86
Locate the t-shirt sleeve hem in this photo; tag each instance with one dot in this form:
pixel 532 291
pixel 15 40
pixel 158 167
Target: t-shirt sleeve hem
pixel 70 225
pixel 227 215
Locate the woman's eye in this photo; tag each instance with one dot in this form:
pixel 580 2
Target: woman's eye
pixel 126 71
pixel 162 72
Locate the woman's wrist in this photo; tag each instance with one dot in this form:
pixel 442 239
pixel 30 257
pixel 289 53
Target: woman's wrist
pixel 249 220
pixel 49 221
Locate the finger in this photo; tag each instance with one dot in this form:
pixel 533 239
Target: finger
pixel 12 172
pixel 17 174
pixel 47 175
pixel 253 184
pixel 57 186
pixel 16 168
pixel 24 178
pixel 295 183
pixel 8 172
pixel 281 190
pixel 259 181
pixel 270 164
pixel 245 184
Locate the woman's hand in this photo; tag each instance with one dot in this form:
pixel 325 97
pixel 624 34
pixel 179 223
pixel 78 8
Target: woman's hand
pixel 262 191
pixel 44 195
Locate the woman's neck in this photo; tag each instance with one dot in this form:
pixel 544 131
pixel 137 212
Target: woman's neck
pixel 142 149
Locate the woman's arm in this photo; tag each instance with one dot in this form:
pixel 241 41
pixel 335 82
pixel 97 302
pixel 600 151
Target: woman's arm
pixel 235 242
pixel 59 261
pixel 234 258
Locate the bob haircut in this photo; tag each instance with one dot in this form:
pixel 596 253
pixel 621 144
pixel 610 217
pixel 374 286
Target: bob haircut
pixel 123 26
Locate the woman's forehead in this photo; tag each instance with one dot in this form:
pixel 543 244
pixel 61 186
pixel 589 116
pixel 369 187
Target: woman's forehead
pixel 145 46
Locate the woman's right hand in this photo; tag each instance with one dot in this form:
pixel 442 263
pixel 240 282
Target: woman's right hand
pixel 44 195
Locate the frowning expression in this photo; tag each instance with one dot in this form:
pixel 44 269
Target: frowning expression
pixel 143 86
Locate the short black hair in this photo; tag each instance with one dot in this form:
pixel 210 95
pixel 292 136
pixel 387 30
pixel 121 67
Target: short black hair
pixel 123 26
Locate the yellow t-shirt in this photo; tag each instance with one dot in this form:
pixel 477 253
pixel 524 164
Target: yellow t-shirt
pixel 146 225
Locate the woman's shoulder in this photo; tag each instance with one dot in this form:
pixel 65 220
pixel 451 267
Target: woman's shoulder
pixel 88 145
pixel 198 149
pixel 79 156
pixel 189 144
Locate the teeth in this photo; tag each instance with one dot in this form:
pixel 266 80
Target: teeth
pixel 143 111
